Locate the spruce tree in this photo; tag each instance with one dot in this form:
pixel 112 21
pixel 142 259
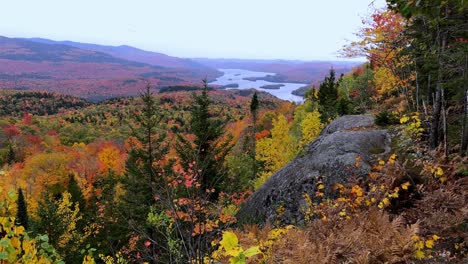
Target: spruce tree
pixel 327 98
pixel 22 210
pixel 142 182
pixel 207 149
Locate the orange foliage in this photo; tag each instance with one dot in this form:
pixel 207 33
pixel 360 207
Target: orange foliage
pixel 262 134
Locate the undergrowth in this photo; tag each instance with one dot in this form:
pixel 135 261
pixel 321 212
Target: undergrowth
pixel 410 209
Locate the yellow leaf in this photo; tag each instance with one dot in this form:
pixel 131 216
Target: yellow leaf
pixel 320 187
pixel 386 201
pixel 229 242
pixel 420 245
pixel 404 119
pixel 234 252
pixel 19 230
pixel 405 185
pixel 419 254
pixel 430 243
pixel 439 171
pixel 435 237
pixel 252 251
pixel 14 241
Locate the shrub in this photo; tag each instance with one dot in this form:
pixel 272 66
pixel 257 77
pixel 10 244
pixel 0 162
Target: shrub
pixel 386 118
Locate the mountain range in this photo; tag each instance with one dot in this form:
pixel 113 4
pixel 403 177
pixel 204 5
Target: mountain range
pixel 91 71
pixel 97 72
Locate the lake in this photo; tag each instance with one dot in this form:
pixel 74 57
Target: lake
pixel 236 76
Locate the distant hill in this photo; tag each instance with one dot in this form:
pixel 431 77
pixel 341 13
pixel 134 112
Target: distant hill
pixel 133 54
pixel 31 65
pixel 15 103
pixel 286 70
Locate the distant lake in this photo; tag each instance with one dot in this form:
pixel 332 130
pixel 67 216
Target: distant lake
pixel 236 76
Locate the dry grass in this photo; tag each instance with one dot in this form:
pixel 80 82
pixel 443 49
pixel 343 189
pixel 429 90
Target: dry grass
pixel 370 238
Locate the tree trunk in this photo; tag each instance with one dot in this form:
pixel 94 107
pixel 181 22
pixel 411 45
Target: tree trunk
pixel 444 123
pixel 434 135
pixel 417 87
pixel 464 144
pixel 434 138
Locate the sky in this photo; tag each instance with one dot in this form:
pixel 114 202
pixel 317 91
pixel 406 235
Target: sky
pixel 247 29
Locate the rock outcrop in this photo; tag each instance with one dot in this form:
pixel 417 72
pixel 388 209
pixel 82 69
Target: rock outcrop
pixel 330 158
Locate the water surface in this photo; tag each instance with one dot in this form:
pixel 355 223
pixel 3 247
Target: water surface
pixel 237 76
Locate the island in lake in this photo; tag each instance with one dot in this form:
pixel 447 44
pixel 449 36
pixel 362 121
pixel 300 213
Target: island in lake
pixel 302 90
pixel 231 85
pixel 272 86
pixel 269 78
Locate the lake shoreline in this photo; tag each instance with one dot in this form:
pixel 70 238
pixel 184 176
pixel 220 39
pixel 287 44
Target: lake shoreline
pixel 246 79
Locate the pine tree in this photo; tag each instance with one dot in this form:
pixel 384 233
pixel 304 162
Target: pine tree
pixel 327 97
pixel 22 213
pixel 207 150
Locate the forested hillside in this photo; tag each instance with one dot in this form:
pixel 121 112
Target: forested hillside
pixel 199 175
pixel 92 72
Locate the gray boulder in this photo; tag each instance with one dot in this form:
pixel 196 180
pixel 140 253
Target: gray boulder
pixel 329 158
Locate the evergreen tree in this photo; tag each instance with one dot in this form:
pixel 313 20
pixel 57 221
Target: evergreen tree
pixel 11 156
pixel 22 213
pixel 76 194
pixel 142 183
pixel 254 108
pixel 254 111
pixel 58 217
pixel 207 150
pixel 327 98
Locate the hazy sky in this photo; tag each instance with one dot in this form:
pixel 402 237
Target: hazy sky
pixel 270 29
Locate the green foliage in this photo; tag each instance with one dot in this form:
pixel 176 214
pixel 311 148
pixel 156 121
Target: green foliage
pixel 327 98
pixel 162 222
pixel 208 149
pixel 16 246
pixel 241 171
pixel 229 246
pixel 37 103
pixel 386 118
pixel 77 196
pixel 148 147
pixel 58 218
pixel 178 88
pixel 22 210
pixel 344 107
pixel 357 88
pixel 254 104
